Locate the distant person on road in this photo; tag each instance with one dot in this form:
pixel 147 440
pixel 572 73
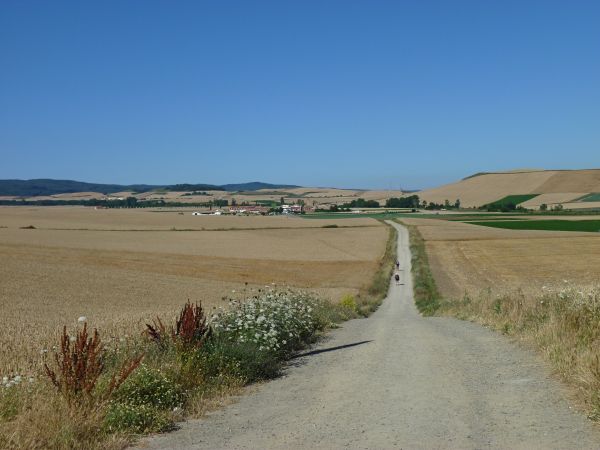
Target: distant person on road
pixel 397 264
pixel 397 278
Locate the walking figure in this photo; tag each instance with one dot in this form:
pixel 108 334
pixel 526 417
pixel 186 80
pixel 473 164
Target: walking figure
pixel 397 278
pixel 397 264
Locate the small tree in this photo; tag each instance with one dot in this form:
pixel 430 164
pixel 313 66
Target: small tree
pixel 543 207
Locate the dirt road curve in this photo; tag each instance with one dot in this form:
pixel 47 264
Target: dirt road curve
pixel 397 380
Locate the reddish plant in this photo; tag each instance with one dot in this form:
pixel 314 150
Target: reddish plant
pixel 191 328
pixel 157 331
pixel 80 365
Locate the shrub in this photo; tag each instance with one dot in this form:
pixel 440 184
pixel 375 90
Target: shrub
pixel 144 403
pixel 136 418
pixel 150 387
pixel 349 302
pixel 278 322
pixel 243 360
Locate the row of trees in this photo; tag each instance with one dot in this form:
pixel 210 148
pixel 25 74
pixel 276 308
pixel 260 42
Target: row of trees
pixel 361 203
pixel 413 201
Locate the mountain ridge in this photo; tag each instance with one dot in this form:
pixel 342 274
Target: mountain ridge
pixel 49 186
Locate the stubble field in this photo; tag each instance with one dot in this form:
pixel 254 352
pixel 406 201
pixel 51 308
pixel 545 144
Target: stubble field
pixel 467 258
pixel 120 268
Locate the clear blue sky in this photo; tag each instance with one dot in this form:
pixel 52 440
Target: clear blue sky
pixel 380 94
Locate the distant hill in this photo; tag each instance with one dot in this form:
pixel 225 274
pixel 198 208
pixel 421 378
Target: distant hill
pixel 255 186
pixel 553 187
pixel 192 187
pixel 45 187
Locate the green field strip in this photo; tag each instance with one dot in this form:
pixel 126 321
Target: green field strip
pixel 545 225
pixel 512 200
pixel 594 197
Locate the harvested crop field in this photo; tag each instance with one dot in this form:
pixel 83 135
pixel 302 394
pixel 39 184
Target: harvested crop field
pixel 74 266
pixel 469 258
pixel 76 217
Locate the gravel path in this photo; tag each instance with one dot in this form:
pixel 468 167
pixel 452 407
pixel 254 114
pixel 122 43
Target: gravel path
pixel 398 380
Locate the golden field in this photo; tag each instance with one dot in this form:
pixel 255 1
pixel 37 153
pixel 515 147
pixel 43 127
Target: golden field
pixel 467 258
pixel 555 186
pixel 119 268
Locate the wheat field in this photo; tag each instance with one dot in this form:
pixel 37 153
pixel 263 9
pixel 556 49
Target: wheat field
pixel 121 268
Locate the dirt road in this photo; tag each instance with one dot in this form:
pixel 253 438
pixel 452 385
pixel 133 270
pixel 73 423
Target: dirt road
pixel 397 380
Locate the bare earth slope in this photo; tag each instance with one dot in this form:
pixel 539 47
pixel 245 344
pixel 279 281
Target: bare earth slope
pixel 398 380
pixel 486 188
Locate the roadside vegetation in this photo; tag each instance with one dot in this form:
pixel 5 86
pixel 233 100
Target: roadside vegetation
pixel 100 392
pixel 370 297
pixel 426 294
pixel 561 322
pixel 97 393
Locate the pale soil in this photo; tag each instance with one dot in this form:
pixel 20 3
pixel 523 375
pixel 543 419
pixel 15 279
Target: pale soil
pixel 121 279
pixel 398 380
pixel 468 258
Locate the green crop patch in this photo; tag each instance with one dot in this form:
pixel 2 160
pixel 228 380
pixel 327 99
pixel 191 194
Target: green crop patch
pixel 547 225
pixel 591 198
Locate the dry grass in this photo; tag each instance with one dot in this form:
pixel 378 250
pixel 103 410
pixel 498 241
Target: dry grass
pixel 119 279
pixel 43 420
